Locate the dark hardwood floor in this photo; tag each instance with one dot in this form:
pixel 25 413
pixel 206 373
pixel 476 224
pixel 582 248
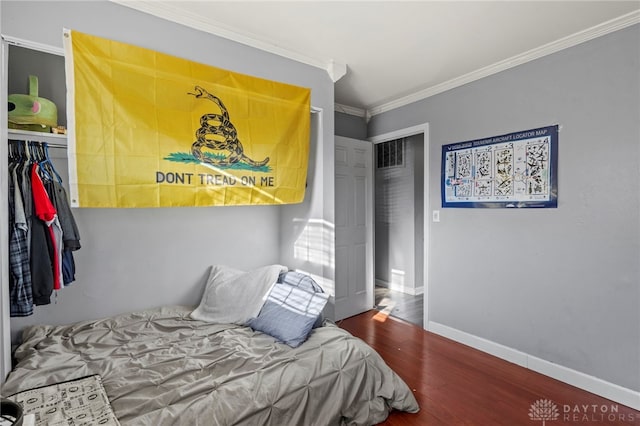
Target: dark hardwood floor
pixel 458 385
pixel 400 305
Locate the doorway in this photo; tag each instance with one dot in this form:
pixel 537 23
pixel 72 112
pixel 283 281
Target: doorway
pixel 401 223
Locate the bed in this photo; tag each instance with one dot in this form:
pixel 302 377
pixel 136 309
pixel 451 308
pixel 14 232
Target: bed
pixel 163 367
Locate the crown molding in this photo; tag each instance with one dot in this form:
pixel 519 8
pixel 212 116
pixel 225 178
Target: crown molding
pixel 346 109
pixel 337 70
pixel 547 49
pixel 167 11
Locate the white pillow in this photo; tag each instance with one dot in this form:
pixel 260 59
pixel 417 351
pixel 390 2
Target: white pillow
pixel 233 296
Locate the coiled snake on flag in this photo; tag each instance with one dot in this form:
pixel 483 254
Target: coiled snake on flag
pixel 216 132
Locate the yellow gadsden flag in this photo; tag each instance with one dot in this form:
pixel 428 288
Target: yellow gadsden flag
pixel 148 129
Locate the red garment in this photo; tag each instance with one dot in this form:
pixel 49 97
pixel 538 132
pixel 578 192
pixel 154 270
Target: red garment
pixel 46 212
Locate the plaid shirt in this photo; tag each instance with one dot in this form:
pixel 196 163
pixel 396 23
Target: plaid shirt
pixel 20 292
pixel 20 277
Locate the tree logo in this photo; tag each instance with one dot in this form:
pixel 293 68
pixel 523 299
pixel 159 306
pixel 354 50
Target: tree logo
pixel 543 409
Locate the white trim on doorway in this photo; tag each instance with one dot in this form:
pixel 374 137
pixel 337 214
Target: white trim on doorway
pixel 402 133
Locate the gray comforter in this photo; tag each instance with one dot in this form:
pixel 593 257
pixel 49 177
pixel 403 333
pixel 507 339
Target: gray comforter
pixel 159 367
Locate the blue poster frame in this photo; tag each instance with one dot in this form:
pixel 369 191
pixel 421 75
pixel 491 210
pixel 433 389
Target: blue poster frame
pixel 525 175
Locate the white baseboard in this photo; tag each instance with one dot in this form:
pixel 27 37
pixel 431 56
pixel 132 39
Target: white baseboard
pixel 597 386
pixel 414 291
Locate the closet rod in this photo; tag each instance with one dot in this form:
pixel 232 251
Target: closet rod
pixel 56 145
pixel 49 144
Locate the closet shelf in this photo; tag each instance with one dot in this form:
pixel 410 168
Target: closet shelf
pixel 53 139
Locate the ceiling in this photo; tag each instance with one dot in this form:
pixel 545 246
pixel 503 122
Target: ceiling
pixel 383 54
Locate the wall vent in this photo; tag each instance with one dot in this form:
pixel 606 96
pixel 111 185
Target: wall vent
pixel 390 154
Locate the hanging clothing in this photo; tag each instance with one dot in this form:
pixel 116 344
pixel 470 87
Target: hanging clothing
pixel 20 292
pixel 43 232
pixel 60 201
pixel 24 177
pixel 43 272
pixel 68 267
pixel 70 233
pixel 44 210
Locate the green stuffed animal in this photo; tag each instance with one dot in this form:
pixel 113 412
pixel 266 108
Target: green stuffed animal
pixel 30 112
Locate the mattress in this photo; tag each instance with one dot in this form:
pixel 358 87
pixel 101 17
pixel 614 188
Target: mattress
pixel 160 367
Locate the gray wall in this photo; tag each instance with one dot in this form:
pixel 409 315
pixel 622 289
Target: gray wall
pixel 140 258
pixel 560 284
pixel 350 126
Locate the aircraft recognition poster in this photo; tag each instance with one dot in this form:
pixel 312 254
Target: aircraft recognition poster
pixel 508 171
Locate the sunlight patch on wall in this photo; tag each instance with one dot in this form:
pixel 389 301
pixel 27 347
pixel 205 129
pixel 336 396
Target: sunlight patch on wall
pixel 315 243
pixel 397 279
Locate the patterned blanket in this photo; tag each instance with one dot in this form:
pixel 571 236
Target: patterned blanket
pixel 75 402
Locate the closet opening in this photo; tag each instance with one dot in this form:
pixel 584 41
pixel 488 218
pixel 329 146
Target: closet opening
pixel 28 69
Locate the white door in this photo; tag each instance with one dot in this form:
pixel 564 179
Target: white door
pixel 354 289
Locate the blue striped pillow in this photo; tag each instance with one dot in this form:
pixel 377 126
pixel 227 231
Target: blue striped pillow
pixel 289 313
pixel 302 280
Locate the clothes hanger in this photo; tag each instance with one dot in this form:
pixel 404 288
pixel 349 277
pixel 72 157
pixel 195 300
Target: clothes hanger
pixel 47 161
pixel 34 157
